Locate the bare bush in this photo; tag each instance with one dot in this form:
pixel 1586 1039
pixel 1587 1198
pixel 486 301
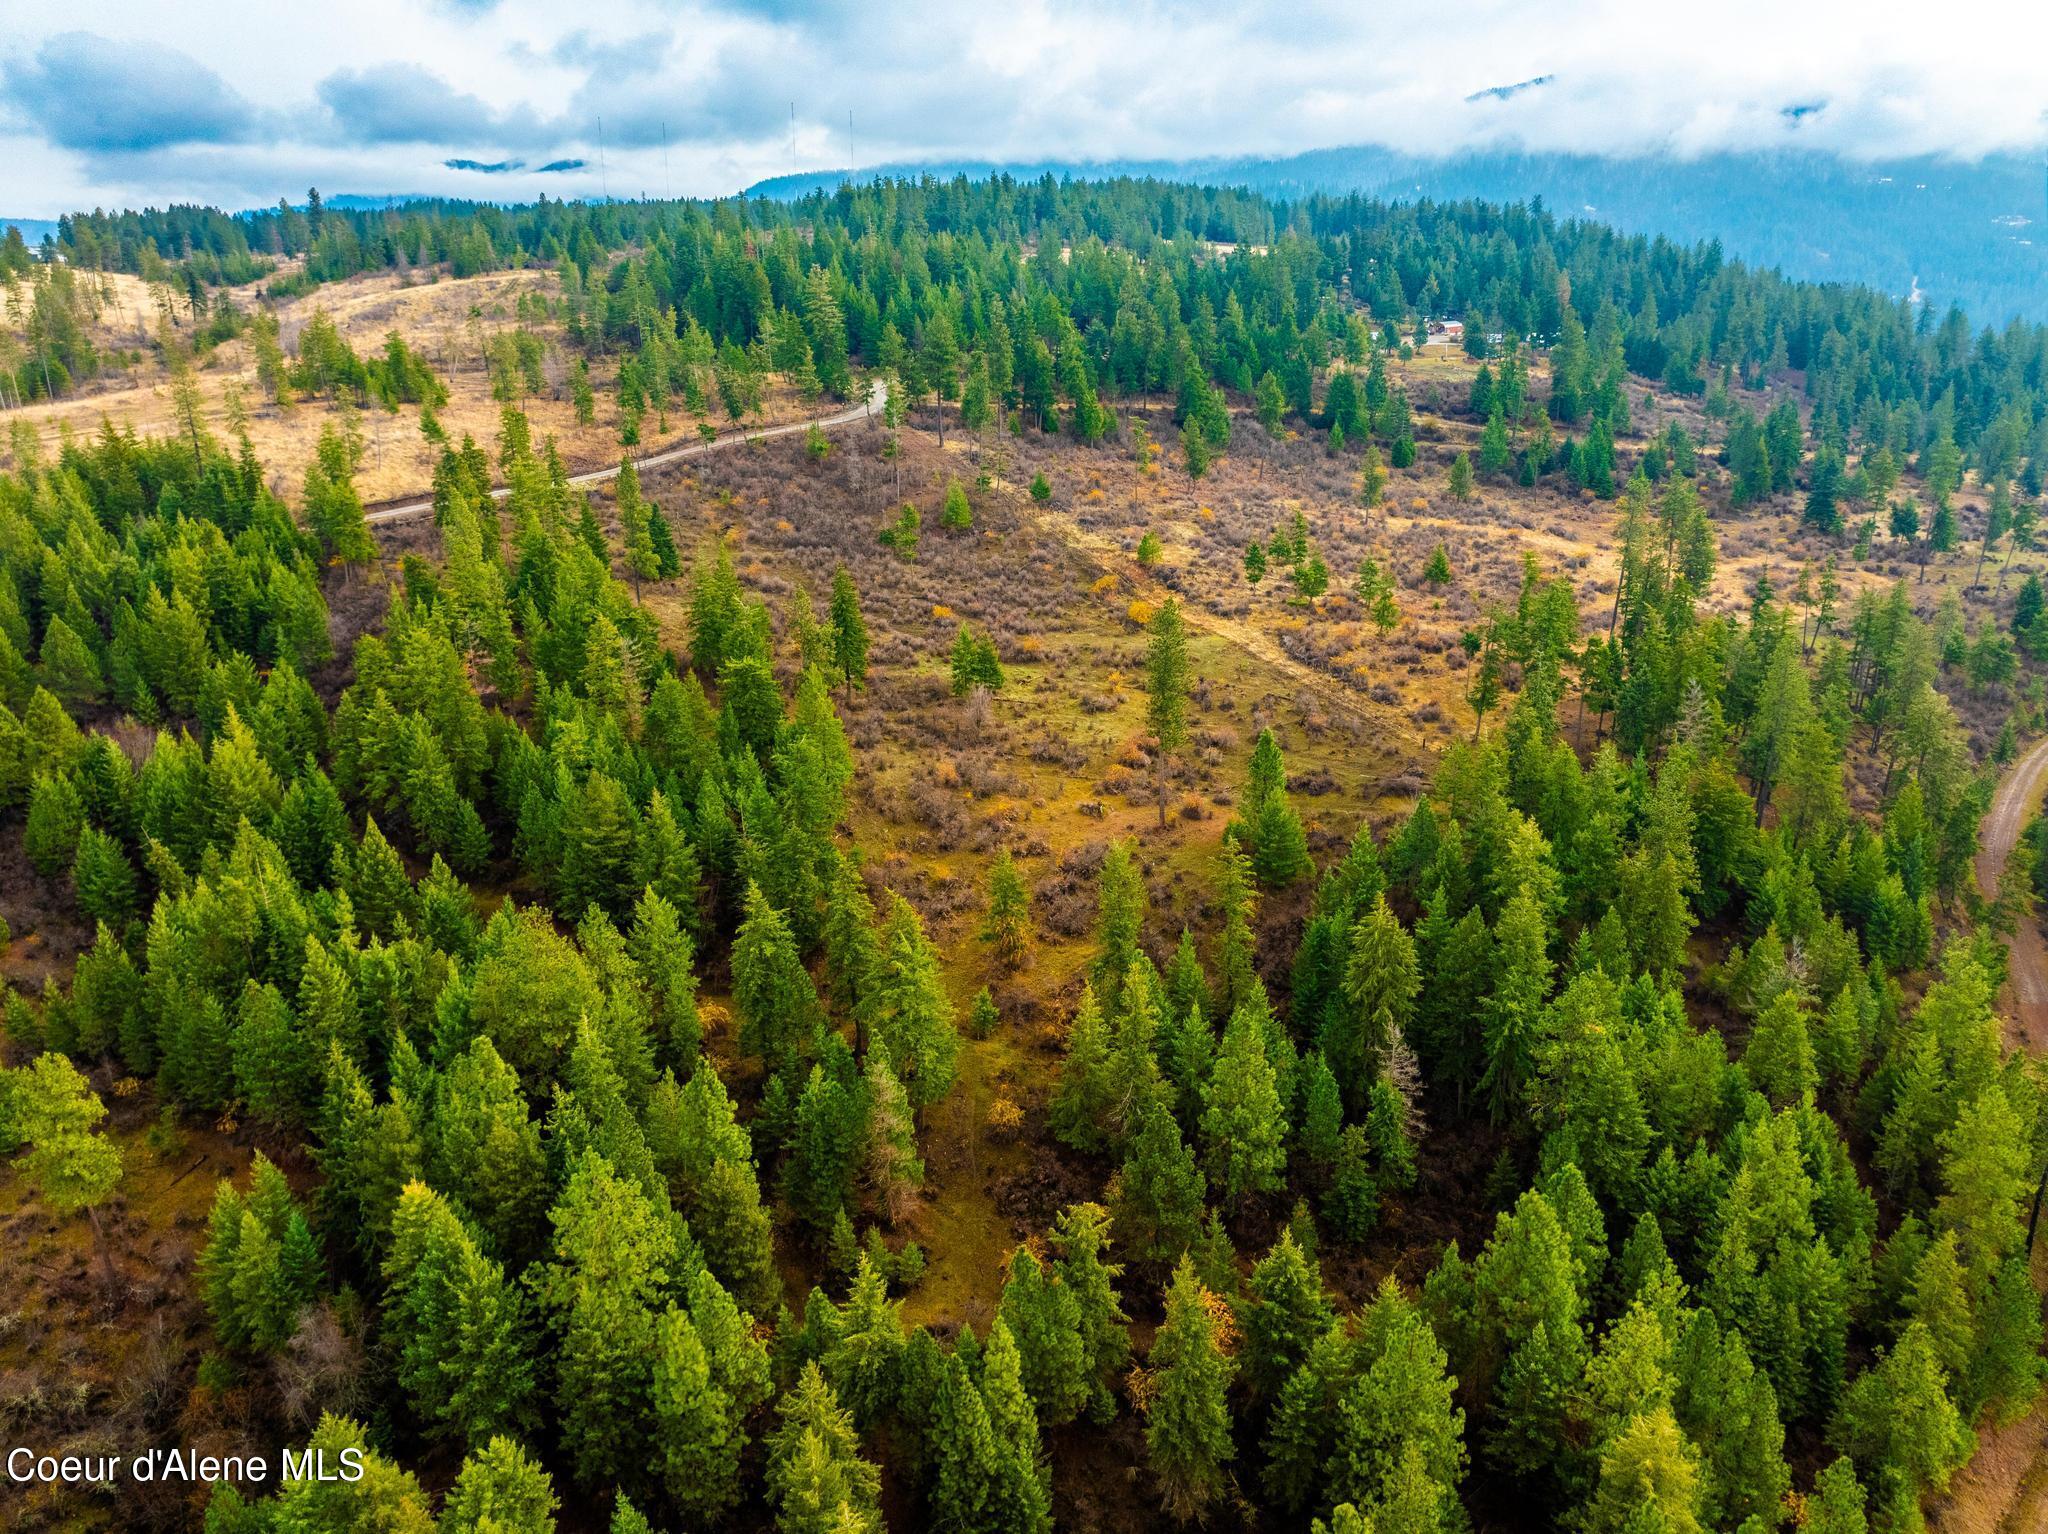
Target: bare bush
pixel 320 1369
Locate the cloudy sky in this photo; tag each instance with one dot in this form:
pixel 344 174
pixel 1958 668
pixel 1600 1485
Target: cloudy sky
pixel 236 102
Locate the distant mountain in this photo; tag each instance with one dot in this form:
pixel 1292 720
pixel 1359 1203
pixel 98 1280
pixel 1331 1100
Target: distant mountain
pixel 1973 233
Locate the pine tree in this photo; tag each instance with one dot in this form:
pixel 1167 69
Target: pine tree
pixel 1288 1313
pixel 483 1141
pixel 661 948
pixel 1526 1346
pixel 382 1496
pixel 1495 454
pixel 69 668
pixel 1044 1316
pixel 825 1141
pixel 1161 1190
pixel 893 1166
pixel 378 885
pixel 864 1356
pixel 103 878
pixel 974 663
pixel 913 1015
pixel 614 1253
pixel 1078 1113
pixel 456 1325
pixel 967 1458
pixel 1381 979
pixel 849 633
pixel 50 1116
pixel 1648 1479
pixel 817 1480
pixel 1007 927
pixel 1080 1235
pixel 1984 1175
pixel 1279 845
pixel 500 1490
pixel 1726 1408
pixel 1187 1424
pixel 1898 1423
pixel 853 956
pixel 1779 1056
pixel 1836 1505
pixel 56 820
pixel 1119 921
pixel 1166 690
pixel 1322 1116
pixel 1244 1125
pixel 771 991
pixel 1372 479
pixel 1461 478
pixel 1022 1493
pixel 1513 1014
pixel 697 1435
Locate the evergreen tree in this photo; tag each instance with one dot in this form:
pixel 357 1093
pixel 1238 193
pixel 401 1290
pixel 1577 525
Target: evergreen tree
pixel 824 1146
pixel 456 1326
pixel 1244 1126
pixel 1514 1013
pixel 1007 927
pixel 1289 1311
pixel 1160 1193
pixel 500 1490
pixel 1461 478
pixel 773 994
pixel 849 633
pixel 1119 920
pixel 1836 1506
pixel 697 1433
pixel 1166 690
pixel 817 1480
pixel 1078 1114
pixel 913 1016
pixel 894 1169
pixel 1648 1479
pixel 1043 1315
pixel 1187 1422
pixel 1899 1425
pixel 1381 979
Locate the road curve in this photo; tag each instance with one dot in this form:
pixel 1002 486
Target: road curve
pixel 877 396
pixel 2018 796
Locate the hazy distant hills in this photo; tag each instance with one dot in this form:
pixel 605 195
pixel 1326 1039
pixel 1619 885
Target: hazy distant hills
pixel 1974 233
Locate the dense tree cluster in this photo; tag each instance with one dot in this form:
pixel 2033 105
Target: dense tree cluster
pixel 961 291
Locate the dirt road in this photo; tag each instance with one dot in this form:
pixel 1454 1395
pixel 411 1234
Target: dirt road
pixel 876 398
pixel 2018 796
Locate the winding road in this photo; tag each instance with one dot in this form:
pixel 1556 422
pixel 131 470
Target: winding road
pixel 877 396
pixel 2018 796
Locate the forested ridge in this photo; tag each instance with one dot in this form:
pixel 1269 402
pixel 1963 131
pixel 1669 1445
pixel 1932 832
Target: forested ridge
pixel 542 927
pixel 895 254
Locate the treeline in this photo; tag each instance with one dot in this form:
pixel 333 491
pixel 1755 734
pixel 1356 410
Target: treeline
pixel 1149 301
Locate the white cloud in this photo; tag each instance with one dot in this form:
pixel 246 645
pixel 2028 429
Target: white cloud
pixel 366 95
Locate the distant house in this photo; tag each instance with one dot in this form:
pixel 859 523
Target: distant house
pixel 1454 330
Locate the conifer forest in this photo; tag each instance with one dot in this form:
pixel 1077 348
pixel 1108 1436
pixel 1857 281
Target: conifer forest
pixel 997 854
